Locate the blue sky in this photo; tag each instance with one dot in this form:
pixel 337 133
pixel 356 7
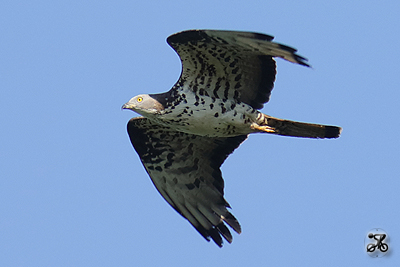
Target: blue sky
pixel 74 193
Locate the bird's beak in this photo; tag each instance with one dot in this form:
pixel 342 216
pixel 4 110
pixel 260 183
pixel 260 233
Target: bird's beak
pixel 127 106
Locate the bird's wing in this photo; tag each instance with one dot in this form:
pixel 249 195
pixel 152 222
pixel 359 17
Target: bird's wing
pixel 185 169
pixel 230 64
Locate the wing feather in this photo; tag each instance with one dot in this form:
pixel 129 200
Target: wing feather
pixel 185 169
pixel 230 64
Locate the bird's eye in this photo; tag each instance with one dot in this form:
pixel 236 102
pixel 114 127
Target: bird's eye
pixel 140 99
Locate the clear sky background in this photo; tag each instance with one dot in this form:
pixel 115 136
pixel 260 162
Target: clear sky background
pixel 74 193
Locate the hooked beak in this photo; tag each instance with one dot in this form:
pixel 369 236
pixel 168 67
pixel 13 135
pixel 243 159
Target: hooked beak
pixel 127 106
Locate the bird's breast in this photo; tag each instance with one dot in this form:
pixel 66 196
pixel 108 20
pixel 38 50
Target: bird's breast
pixel 214 118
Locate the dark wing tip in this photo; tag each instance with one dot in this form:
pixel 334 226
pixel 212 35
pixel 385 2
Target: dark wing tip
pixel 302 60
pixel 224 231
pixel 299 59
pixel 332 131
pixel 213 233
pixel 233 222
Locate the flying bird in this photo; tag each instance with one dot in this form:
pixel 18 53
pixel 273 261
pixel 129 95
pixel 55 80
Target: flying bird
pixel 185 134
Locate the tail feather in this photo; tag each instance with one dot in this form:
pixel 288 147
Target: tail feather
pixel 299 129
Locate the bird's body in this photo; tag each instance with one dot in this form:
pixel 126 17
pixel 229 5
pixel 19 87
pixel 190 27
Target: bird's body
pixel 205 115
pixel 185 134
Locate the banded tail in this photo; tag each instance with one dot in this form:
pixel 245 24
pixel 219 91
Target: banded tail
pixel 293 128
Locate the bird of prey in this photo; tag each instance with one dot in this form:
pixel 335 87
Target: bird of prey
pixel 185 134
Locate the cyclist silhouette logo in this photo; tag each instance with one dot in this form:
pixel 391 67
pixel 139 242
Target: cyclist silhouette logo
pixel 379 245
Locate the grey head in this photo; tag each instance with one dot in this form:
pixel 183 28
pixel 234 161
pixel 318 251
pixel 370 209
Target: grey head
pixel 145 105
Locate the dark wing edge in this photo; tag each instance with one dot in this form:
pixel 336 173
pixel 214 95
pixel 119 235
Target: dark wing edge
pixel 185 169
pixel 241 61
pixel 249 39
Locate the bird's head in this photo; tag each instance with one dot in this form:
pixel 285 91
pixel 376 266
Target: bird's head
pixel 144 105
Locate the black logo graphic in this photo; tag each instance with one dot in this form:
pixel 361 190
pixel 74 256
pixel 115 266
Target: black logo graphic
pixel 378 243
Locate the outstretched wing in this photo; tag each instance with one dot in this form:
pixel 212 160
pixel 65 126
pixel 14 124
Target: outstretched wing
pixel 185 169
pixel 230 64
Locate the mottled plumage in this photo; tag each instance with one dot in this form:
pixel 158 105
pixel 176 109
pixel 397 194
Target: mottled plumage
pixel 189 131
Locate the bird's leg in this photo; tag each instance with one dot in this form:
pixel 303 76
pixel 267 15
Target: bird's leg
pixel 264 128
pixel 268 124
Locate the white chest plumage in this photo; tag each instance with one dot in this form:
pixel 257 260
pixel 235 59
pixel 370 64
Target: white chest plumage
pixel 209 116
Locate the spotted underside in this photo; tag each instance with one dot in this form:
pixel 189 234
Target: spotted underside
pixel 185 169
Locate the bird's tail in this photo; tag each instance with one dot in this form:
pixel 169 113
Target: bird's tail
pixel 293 128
